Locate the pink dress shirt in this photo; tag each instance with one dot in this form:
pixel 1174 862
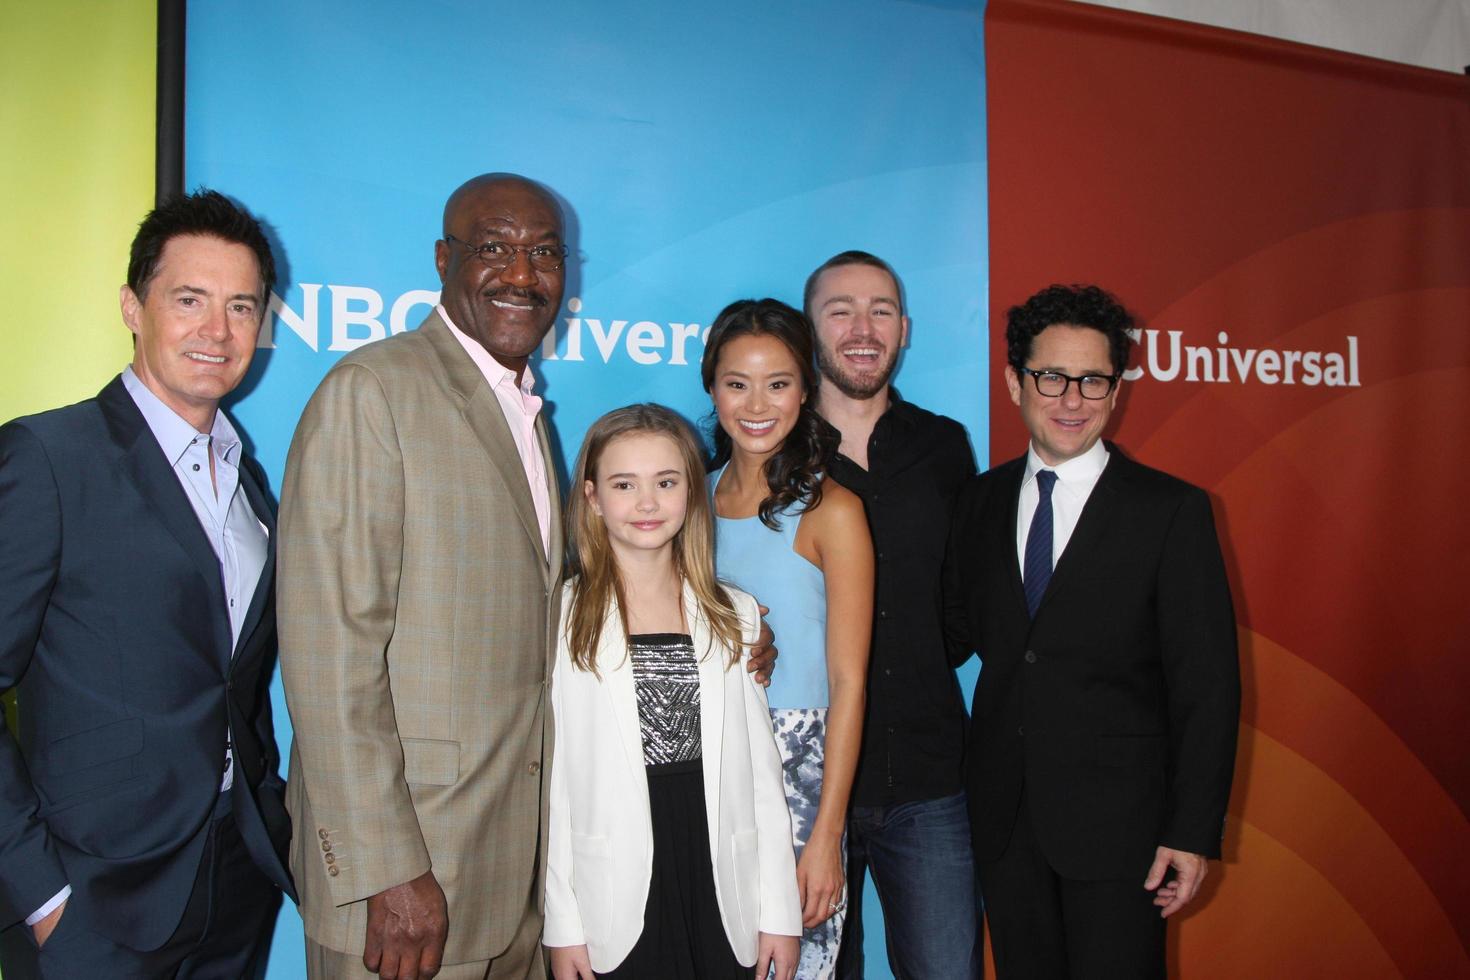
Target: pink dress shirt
pixel 521 408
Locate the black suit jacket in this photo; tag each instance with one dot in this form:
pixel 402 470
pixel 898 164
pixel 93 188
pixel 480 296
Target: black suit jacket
pixel 114 631
pixel 1115 711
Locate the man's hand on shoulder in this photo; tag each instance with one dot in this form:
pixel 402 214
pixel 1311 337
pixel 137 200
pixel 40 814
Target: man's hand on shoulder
pixel 763 655
pixel 1189 873
pixel 406 928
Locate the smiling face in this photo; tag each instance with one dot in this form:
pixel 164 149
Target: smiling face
pixel 1066 427
pixel 641 493
pixel 860 328
pixel 508 310
pixel 757 392
pixel 196 325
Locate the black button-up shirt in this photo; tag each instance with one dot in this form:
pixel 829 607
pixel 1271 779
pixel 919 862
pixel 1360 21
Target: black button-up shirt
pixel 914 734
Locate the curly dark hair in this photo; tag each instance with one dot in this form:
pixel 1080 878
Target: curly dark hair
pixel 1076 305
pixel 204 212
pixel 794 472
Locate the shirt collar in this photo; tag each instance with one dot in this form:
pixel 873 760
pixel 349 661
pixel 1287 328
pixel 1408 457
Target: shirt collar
pixel 172 433
pixel 898 409
pixel 495 373
pixel 1078 471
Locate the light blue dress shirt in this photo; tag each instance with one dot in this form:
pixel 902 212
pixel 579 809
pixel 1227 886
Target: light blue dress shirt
pixel 238 537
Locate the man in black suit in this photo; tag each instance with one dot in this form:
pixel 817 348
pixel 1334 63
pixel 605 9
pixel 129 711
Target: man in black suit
pixel 142 830
pixel 1104 722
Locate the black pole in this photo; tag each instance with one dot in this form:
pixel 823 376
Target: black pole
pixel 168 172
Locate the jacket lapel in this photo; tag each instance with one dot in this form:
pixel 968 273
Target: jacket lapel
pixel 616 667
pixel 710 658
pixel 1092 526
pixel 255 494
pixel 553 496
pixel 1007 544
pixel 146 468
pixel 486 419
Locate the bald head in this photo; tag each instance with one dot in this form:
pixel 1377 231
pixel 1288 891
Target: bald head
pixel 467 196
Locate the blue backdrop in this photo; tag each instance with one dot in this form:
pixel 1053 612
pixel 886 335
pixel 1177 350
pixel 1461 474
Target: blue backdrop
pixel 703 154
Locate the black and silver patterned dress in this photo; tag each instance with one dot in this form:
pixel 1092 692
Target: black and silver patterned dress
pixel 683 937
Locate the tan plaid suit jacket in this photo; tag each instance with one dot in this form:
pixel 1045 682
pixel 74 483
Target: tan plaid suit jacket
pixel 417 617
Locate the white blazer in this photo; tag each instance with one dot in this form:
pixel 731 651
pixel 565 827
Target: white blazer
pixel 600 840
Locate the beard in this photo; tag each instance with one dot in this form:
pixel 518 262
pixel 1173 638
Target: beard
pixel 857 386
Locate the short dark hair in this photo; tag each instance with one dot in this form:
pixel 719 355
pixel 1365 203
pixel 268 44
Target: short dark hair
pixel 850 257
pixel 794 472
pixel 1076 305
pixel 204 212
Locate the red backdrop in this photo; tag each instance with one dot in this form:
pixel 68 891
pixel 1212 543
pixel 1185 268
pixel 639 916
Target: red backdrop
pixel 1296 201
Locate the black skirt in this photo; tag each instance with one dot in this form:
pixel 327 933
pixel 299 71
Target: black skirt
pixel 683 937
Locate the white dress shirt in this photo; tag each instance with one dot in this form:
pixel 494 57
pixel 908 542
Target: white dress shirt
pixel 1075 480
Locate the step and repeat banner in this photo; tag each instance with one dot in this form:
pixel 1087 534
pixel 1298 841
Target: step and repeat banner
pixel 1292 227
pixel 704 153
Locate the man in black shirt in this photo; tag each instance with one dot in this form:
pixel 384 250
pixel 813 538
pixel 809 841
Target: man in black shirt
pixel 908 824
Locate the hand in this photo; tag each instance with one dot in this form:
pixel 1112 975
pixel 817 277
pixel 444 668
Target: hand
pixel 782 952
pixel 406 926
pixel 570 963
pixel 1189 873
pixel 43 929
pixel 763 655
pixel 819 879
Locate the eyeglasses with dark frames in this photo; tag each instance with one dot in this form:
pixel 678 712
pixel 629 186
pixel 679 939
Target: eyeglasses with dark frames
pixel 1053 384
pixel 498 255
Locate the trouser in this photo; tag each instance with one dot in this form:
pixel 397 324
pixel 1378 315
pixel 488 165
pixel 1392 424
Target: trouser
pixel 224 933
pixel 919 856
pixel 1047 927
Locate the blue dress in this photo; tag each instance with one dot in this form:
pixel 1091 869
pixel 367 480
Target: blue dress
pixel 754 558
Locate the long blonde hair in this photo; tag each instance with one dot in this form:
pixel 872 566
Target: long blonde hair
pixel 598 584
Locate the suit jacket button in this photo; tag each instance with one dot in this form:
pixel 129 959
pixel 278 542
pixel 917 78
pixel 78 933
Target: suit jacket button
pixel 332 870
pixel 322 833
pixel 326 845
pixel 533 768
pixel 1030 657
pixel 330 858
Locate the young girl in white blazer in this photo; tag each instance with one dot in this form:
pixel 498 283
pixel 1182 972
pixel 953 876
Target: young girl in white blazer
pixel 669 849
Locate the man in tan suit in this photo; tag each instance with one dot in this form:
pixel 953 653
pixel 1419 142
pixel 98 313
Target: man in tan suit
pixel 420 558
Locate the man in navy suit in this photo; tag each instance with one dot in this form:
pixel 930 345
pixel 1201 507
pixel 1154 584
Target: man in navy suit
pixel 1103 731
pixel 142 830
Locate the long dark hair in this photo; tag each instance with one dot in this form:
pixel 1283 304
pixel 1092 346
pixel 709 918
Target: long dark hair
pixel 794 472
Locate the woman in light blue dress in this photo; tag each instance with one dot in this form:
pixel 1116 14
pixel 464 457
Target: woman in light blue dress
pixel 800 544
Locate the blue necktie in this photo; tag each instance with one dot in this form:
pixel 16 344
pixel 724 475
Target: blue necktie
pixel 1037 573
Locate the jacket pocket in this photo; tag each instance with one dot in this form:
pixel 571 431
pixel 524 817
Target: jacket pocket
pixel 81 764
pixel 430 761
pixel 1132 751
pixel 105 743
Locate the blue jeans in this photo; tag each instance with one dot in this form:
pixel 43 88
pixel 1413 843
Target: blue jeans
pixel 922 867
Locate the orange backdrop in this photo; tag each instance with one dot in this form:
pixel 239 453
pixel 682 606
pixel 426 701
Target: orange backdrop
pixel 1256 199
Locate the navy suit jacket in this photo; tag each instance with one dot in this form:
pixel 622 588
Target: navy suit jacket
pixel 1116 709
pixel 115 634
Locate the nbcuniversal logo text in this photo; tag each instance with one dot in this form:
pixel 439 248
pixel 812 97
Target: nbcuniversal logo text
pixel 355 315
pixel 1224 363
